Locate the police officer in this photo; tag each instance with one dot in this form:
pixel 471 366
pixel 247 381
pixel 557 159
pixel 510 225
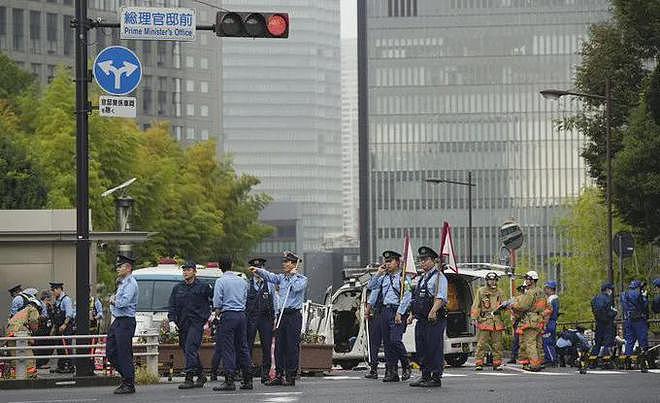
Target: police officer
pixel 374 317
pixel 119 344
pixel 95 314
pixel 292 287
pixel 18 299
pixel 635 307
pixel 63 323
pixel 395 316
pixel 188 309
pixel 488 322
pixel 602 307
pixel 530 307
pixel 26 320
pixel 223 262
pixel 429 300
pixel 229 299
pixel 45 327
pixel 260 309
pixel 550 331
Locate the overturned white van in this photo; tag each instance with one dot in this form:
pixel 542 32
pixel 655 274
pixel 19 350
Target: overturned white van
pixel 351 332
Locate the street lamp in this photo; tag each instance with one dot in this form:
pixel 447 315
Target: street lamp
pixel 470 185
pixel 556 94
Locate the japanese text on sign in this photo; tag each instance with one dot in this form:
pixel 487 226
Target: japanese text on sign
pixel 177 24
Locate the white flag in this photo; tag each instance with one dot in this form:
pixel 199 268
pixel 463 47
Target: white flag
pixel 447 248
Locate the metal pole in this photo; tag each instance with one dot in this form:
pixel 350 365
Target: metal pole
pixel 610 262
pixel 363 132
pixel 470 216
pixel 621 262
pixel 83 367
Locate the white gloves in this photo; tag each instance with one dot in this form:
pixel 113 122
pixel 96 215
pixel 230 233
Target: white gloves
pixel 173 327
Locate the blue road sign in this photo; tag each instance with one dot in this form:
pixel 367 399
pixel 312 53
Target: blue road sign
pixel 117 70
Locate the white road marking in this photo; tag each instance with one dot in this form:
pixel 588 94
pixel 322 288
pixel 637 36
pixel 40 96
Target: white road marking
pixel 341 377
pixel 218 394
pixel 654 371
pixel 56 401
pixel 522 371
pixel 497 374
pixel 600 372
pixel 446 375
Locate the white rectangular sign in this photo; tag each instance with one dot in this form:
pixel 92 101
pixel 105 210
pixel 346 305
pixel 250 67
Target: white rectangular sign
pixel 117 107
pixel 156 23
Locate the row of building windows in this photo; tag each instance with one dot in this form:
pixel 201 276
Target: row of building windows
pixel 402 8
pixel 190 133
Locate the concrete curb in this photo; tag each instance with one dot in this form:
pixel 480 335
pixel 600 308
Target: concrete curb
pixel 59 382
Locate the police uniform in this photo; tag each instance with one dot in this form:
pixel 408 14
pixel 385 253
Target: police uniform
pixel 119 344
pixel 287 342
pixel 489 323
pixel 550 331
pixel 635 307
pixel 95 315
pixel 45 328
pixel 530 308
pixel 18 301
pixel 260 309
pixel 230 297
pixel 375 302
pixel 602 307
pixel 25 320
pixel 189 308
pixel 392 333
pixel 429 334
pixel 63 313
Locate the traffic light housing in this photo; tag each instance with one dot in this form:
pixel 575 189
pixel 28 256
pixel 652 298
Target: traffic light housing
pixel 252 24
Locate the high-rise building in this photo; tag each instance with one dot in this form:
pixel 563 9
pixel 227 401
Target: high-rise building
pixel 349 138
pixel 282 113
pixel 180 82
pixel 454 88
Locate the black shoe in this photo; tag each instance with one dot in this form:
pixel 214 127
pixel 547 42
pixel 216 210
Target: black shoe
pixel 434 382
pixel 405 373
pixel 265 375
pixel 214 376
pixel 290 380
pixel 246 384
pixel 277 381
pixel 124 389
pixel 372 374
pixel 201 380
pixel 188 382
pixel 420 381
pixel 227 385
pixel 392 375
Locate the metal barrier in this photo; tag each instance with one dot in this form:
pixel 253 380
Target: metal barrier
pixel 147 341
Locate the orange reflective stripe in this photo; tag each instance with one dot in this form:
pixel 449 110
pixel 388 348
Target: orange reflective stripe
pixel 483 326
pixel 536 363
pixel 540 304
pixel 499 327
pixel 523 362
pixel 497 363
pixel 479 362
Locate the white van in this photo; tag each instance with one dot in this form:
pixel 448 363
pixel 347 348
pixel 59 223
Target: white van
pixel 155 286
pixel 350 328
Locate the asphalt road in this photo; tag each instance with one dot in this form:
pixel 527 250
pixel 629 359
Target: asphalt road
pixel 459 385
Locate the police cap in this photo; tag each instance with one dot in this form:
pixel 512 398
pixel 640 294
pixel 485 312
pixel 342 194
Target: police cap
pixel 189 264
pixel 55 285
pixel 607 286
pixel 122 259
pixel 289 256
pixel 426 252
pixel 656 282
pixel 15 288
pixel 257 262
pixel 551 284
pixel 390 255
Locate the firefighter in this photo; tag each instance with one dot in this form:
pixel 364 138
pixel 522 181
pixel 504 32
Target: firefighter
pixel 25 320
pixel 530 308
pixel 489 324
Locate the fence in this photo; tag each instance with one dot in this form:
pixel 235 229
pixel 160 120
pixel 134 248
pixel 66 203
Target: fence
pixel 148 342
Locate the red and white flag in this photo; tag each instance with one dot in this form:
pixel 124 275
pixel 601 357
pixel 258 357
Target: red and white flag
pixel 408 260
pixel 447 247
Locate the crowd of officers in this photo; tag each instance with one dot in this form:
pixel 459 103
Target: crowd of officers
pixel 271 305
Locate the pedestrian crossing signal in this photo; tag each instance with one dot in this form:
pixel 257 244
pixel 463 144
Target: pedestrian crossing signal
pixel 252 25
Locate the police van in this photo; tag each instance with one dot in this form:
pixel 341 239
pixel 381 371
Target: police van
pixel 155 285
pixel 351 330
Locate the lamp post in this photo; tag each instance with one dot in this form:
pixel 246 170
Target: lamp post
pixel 470 185
pixel 556 94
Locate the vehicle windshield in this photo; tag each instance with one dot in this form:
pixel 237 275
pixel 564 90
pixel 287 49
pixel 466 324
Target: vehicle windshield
pixel 154 295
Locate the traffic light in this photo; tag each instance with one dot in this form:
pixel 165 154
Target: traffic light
pixel 252 25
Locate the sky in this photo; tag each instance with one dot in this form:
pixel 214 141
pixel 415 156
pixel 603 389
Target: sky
pixel 348 19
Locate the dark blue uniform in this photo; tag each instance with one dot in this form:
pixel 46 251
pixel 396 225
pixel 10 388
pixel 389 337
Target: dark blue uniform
pixel 190 307
pixel 260 317
pixel 602 307
pixel 635 307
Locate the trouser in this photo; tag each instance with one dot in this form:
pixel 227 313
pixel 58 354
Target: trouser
pixel 375 338
pixel 529 347
pixel 636 331
pixel 549 342
pixel 287 343
pixel 429 340
pixel 30 365
pixel 567 355
pixel 42 331
pixel 64 363
pixel 515 345
pixel 119 348
pixel 232 336
pixel 489 340
pixel 190 338
pixel 603 338
pixel 264 324
pixel 392 336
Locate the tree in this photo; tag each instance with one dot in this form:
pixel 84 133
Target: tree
pixel 13 80
pixel 621 51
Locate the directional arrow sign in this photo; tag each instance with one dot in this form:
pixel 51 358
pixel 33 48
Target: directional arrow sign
pixel 117 70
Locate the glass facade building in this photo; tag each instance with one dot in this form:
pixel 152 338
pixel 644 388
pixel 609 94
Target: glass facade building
pixel 282 113
pixel 454 88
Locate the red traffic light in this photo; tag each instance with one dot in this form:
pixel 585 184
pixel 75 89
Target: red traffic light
pixel 252 24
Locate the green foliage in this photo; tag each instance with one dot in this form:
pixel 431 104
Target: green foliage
pixel 13 80
pixel 198 205
pixel 621 51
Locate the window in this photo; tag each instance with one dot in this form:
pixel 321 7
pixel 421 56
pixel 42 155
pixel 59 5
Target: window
pixel 204 63
pixel 204 110
pixel 203 87
pixel 190 61
pixel 3 26
pixel 146 101
pixel 190 109
pixel 161 52
pixel 50 72
pixel 35 32
pixel 190 133
pixel 162 102
pixel 67 35
pixel 190 85
pixel 205 134
pixel 146 52
pixel 18 37
pixel 51 32
pixel 35 68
